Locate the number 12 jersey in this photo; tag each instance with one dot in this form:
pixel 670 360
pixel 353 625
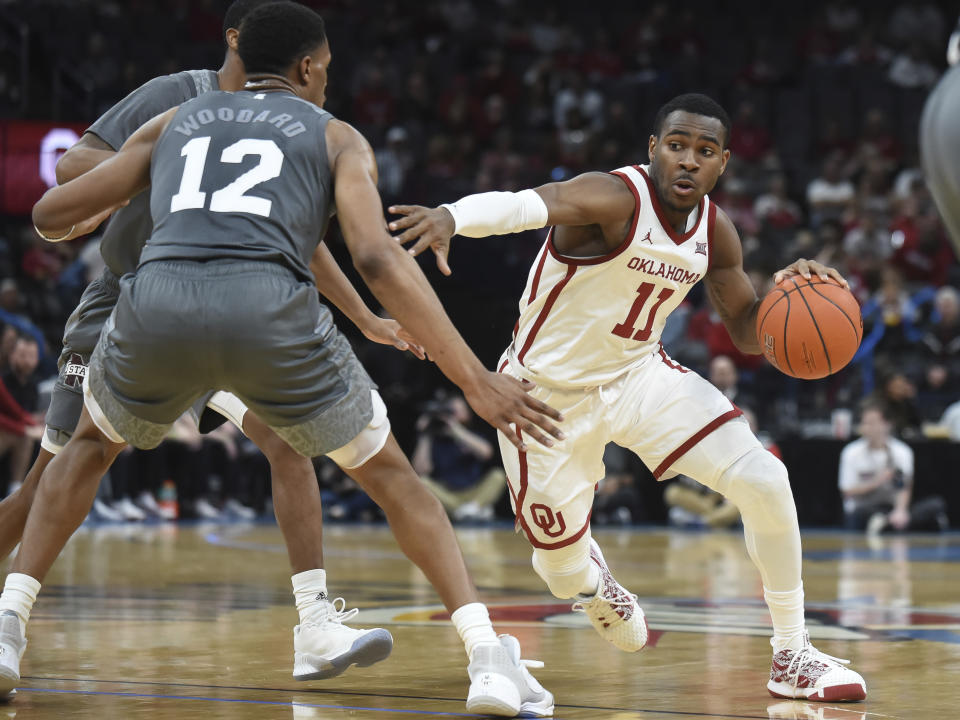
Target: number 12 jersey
pixel 586 321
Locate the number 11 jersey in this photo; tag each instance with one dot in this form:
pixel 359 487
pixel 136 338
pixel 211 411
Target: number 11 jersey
pixel 241 176
pixel 586 321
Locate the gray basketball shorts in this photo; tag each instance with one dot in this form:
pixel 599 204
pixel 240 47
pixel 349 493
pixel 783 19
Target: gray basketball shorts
pixel 940 150
pixel 79 339
pixel 182 329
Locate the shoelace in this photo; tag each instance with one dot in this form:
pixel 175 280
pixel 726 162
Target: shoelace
pixel 809 654
pixel 624 601
pixel 337 614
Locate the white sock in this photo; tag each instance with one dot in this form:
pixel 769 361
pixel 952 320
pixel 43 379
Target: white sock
pixel 310 591
pixel 786 611
pixel 473 624
pixel 19 595
pixel 591 586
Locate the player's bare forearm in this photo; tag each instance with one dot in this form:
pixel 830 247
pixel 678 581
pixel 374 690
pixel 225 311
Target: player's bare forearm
pixel 88 152
pixel 735 301
pixel 106 186
pixel 337 288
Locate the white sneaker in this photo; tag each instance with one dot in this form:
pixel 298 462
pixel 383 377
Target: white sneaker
pixel 102 511
pixel 614 612
pixel 326 648
pixel 500 683
pixel 129 511
pixel 205 509
pixel 239 510
pixel 812 675
pixel 148 503
pixel 12 645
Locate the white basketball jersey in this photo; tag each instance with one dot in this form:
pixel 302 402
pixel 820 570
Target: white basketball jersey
pixel 586 321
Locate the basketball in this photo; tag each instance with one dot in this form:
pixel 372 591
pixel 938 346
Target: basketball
pixel 809 328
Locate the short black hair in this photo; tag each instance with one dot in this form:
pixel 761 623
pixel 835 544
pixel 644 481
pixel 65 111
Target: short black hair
pixel 878 406
pixel 237 11
pixel 275 35
pixel 698 105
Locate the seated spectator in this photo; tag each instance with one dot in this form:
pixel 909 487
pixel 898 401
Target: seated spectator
pixel 876 481
pixel 453 460
pixel 617 501
pixel 723 374
pixel 20 378
pixel 830 196
pixel 897 395
pixel 775 209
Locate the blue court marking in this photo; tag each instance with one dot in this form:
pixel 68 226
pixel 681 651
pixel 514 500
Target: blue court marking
pixel 248 702
pixel 595 708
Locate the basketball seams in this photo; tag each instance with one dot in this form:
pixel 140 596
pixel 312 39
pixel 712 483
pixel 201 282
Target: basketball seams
pixel 813 318
pixel 856 333
pixel 761 321
pixel 786 322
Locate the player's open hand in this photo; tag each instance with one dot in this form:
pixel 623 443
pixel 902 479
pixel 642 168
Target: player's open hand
pixel 504 402
pixel 806 268
pixel 390 332
pixel 431 228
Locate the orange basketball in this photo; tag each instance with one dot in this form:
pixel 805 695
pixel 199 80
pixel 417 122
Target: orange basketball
pixel 809 329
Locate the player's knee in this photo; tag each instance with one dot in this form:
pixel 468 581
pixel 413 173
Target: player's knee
pixel 759 485
pixel 564 570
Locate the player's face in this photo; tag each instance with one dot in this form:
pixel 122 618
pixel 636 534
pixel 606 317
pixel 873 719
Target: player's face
pixel 687 159
pixel 316 75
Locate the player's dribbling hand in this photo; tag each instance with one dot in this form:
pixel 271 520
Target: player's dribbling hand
pixel 390 332
pixel 806 267
pixel 430 227
pixel 504 402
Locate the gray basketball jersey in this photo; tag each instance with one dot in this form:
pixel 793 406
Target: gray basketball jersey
pixel 241 176
pixel 129 228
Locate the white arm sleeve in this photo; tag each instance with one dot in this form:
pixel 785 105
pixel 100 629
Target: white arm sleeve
pixel 498 213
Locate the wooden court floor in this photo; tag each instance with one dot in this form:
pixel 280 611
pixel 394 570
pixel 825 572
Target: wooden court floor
pixel 195 622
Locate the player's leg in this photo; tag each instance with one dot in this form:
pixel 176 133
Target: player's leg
pixel 66 400
pixel 16 506
pixel 500 682
pixel 551 490
pixel 63 499
pixel 724 455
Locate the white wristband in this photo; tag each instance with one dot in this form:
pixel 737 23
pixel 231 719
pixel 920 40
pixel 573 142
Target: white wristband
pixel 498 213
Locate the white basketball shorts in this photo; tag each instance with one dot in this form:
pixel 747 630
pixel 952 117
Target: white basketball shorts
pixel 659 410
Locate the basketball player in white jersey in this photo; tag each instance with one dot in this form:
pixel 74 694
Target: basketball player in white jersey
pixel 624 249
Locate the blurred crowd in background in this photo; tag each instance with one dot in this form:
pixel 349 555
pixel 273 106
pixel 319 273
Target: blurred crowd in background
pixel 461 96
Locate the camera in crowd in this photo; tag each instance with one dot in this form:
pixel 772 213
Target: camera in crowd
pixel 438 413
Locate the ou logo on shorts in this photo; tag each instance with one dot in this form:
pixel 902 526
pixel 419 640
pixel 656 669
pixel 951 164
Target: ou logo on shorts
pixel 545 519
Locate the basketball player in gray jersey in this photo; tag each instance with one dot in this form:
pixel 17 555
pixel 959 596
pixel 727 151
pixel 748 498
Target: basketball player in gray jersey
pixel 295 491
pixel 222 300
pixel 940 142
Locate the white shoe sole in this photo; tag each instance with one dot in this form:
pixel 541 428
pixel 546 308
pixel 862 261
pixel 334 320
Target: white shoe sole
pixel 850 692
pixel 365 651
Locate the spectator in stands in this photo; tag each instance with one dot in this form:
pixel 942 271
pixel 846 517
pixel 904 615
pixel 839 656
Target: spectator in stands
pixel 876 481
pixel 830 196
pixel 723 374
pixel 917 21
pixel 749 138
pixel 21 377
pixel 775 209
pixel 867 240
pixel 911 68
pixel 19 430
pixel 394 161
pixel 897 395
pixel 617 501
pixel 454 460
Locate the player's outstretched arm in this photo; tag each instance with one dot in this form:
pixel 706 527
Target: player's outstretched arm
pixel 337 288
pixel 401 287
pixel 730 291
pixel 70 210
pixel 588 199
